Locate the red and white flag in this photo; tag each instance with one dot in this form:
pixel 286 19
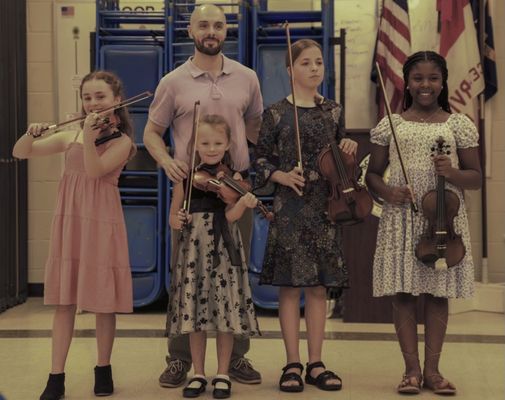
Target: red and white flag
pixel 458 44
pixel 393 48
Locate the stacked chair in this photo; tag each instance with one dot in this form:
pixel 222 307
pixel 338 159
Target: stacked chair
pixel 137 57
pixel 141 47
pixel 180 48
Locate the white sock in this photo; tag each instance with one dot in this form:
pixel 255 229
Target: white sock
pixel 222 385
pixel 196 384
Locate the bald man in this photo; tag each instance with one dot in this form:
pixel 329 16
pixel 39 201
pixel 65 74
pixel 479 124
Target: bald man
pixel 223 87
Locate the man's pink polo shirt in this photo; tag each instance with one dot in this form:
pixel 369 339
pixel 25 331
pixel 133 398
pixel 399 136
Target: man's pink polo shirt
pixel 234 94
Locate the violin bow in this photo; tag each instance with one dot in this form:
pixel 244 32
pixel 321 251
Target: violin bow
pixel 194 134
pixel 124 103
pixel 388 111
pixel 292 82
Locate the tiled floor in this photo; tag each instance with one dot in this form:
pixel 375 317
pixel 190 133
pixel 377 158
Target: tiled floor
pixel 366 356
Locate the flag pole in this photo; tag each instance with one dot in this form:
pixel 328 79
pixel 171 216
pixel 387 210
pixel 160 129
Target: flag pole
pixel 482 147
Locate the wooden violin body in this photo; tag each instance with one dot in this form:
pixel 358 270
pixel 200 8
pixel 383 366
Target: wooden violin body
pixel 440 247
pixel 228 189
pixel 349 202
pixel 440 241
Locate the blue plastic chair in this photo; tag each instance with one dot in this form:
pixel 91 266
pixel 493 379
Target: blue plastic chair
pixel 140 68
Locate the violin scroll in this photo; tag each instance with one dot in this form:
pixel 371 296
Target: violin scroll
pixel 440 148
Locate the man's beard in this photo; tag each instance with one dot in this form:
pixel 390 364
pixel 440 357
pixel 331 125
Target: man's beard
pixel 210 51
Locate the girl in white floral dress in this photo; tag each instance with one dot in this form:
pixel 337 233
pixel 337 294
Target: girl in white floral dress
pixel 396 270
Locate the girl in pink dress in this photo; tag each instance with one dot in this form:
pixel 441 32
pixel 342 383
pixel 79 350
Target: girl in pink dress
pixel 88 266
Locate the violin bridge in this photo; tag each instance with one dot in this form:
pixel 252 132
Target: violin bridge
pixel 440 264
pixel 348 190
pixel 441 232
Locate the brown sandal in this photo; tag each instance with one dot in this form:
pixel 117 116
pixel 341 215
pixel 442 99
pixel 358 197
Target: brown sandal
pixel 410 385
pixel 439 385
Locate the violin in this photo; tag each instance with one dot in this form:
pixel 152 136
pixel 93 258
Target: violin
pixel 108 126
pixel 227 189
pixel 349 202
pixel 440 247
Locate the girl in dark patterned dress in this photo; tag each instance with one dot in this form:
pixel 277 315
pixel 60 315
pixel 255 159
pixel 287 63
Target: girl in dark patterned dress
pixel 303 248
pixel 209 288
pixel 396 271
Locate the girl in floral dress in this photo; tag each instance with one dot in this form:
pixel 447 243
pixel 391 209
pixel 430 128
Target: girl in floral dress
pixel 396 270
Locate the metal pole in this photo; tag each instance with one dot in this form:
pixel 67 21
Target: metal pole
pixel 482 147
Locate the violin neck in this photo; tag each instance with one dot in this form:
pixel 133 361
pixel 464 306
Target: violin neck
pixel 440 203
pixel 340 164
pixel 233 184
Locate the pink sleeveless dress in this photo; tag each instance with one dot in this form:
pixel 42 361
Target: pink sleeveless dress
pixel 88 262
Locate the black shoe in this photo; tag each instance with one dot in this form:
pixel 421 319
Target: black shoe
pixel 242 371
pixel 221 393
pixel 104 386
pixel 192 392
pixel 55 388
pixel 321 381
pixel 175 373
pixel 291 377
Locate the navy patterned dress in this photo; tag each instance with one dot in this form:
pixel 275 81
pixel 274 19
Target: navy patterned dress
pixel 303 248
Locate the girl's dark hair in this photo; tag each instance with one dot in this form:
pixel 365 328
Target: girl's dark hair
pixel 219 123
pixel 439 61
pixel 300 45
pixel 125 123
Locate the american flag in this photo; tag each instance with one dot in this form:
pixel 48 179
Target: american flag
pixel 393 48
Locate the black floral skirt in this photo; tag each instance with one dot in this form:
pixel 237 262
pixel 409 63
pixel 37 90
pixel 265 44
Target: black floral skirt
pixel 206 295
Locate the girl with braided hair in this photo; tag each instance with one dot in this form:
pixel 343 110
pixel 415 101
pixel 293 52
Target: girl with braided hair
pixel 396 270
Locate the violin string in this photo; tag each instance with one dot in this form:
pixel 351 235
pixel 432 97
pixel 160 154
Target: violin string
pixel 340 167
pixel 236 186
pixel 440 197
pixel 231 182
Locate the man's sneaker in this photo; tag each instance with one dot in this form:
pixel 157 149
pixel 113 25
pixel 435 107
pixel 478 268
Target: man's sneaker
pixel 242 371
pixel 175 373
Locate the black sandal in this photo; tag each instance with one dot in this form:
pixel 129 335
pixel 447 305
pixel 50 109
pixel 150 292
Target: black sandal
pixel 291 376
pixel 221 393
pixel 321 380
pixel 192 392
